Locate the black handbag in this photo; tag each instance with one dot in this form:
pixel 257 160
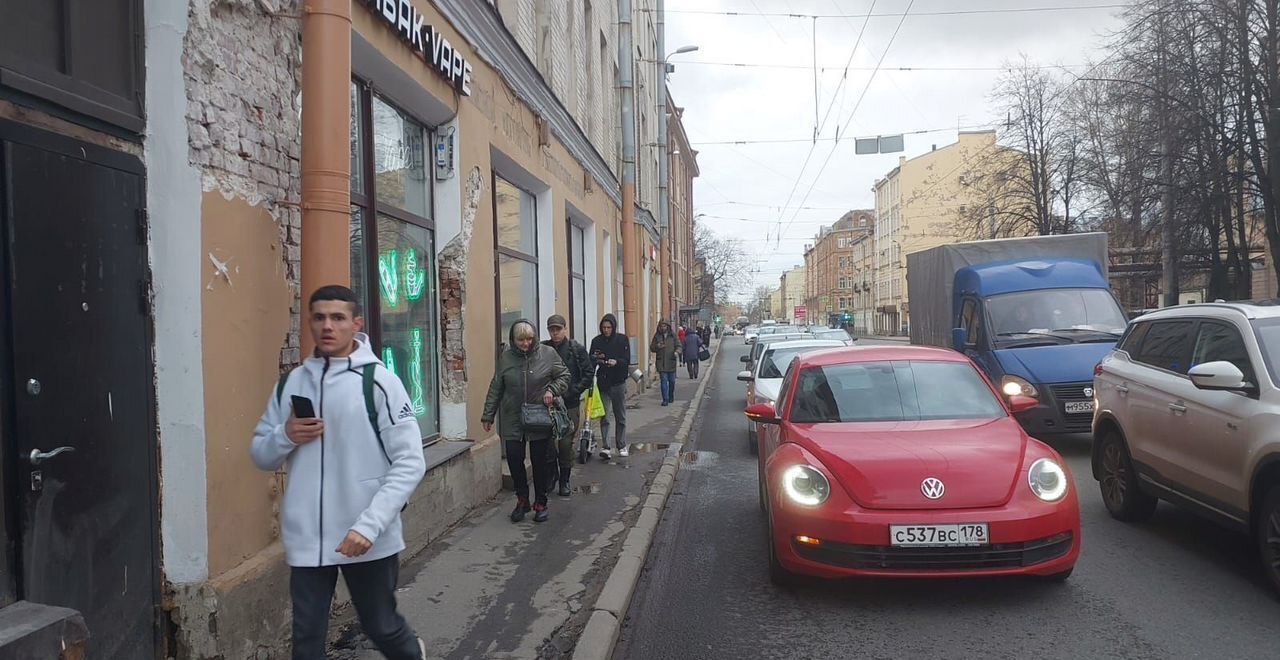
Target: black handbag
pixel 535 417
pixel 704 354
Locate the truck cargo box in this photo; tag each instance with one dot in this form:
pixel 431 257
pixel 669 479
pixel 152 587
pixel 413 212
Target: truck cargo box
pixel 931 273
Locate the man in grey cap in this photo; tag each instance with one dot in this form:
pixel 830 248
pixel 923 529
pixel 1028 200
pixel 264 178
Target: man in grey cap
pixel 575 357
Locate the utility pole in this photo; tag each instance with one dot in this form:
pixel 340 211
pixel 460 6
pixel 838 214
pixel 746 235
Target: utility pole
pixel 626 82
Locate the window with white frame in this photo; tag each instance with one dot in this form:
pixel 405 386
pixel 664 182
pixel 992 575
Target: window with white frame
pixel 577 282
pixel 515 231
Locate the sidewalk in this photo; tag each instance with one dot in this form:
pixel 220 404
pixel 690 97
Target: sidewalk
pixel 492 589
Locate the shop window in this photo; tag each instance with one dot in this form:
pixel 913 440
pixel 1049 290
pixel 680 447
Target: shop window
pixel 515 221
pixel 393 256
pixel 577 283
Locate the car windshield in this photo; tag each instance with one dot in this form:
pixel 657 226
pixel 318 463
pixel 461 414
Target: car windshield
pixel 892 392
pixel 1268 333
pixel 1063 313
pixel 774 364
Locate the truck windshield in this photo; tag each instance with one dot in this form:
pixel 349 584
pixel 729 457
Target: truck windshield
pixel 1062 313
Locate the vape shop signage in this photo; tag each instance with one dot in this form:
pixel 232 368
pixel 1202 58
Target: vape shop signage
pixel 429 44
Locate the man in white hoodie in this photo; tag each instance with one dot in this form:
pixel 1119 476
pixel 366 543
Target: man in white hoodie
pixel 352 468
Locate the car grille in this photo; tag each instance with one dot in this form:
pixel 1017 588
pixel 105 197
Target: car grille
pixel 1077 422
pixel 884 557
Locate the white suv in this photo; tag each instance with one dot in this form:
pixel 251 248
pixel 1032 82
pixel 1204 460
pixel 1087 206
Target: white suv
pixel 1186 410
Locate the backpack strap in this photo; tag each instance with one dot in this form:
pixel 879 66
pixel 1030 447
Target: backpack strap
pixel 284 380
pixel 367 377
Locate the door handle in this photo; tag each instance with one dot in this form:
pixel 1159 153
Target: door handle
pixel 1177 408
pixel 1123 389
pixel 37 457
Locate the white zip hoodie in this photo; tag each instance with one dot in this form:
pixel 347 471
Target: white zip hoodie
pixel 343 480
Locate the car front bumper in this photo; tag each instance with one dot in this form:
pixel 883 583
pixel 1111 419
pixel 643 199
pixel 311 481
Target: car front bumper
pixel 1027 538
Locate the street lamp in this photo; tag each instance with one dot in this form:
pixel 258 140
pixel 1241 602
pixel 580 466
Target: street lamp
pixel 664 164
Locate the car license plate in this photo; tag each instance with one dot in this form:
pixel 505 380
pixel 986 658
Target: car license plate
pixel 938 535
pixel 1076 407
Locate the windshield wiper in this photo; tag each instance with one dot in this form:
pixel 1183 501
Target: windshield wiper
pixel 1100 332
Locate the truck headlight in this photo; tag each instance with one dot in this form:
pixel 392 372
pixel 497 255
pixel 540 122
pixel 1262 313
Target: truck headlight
pixel 1016 385
pixel 1047 480
pixel 805 485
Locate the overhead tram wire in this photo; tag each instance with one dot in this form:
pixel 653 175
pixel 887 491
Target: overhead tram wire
pixel 908 69
pixel 922 131
pixel 853 114
pixel 871 14
pixel 844 76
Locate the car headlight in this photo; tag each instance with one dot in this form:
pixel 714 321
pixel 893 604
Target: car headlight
pixel 1047 480
pixel 805 485
pixel 1015 385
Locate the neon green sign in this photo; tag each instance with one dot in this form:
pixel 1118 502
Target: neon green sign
pixel 389 276
pixel 389 359
pixel 415 277
pixel 415 371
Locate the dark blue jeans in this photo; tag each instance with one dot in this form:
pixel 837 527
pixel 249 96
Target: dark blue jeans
pixel 373 591
pixel 668 382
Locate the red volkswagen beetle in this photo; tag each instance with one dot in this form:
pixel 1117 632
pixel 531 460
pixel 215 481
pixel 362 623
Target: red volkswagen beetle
pixel 905 462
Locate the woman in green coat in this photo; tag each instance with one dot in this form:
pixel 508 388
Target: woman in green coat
pixel 527 372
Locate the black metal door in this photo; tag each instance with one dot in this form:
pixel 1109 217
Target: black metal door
pixel 79 382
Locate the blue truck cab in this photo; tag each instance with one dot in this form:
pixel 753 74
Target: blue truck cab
pixel 1038 327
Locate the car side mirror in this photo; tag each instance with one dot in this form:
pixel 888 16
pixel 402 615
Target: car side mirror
pixel 745 376
pixel 1221 375
pixel 958 338
pixel 763 413
pixel 745 358
pixel 1022 403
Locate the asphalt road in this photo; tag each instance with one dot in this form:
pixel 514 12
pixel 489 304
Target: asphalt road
pixel 1174 587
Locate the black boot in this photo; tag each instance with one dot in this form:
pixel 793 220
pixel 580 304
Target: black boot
pixel 565 491
pixel 522 507
pixel 540 513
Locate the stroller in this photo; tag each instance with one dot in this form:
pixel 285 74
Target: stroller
pixel 587 439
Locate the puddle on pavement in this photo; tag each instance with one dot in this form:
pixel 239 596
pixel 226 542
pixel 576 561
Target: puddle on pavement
pixel 587 489
pixel 649 447
pixel 693 460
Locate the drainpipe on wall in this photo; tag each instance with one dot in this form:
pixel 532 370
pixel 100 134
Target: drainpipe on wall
pixel 630 247
pixel 664 201
pixel 326 152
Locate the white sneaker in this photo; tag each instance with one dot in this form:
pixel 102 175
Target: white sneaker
pixel 422 648
pixel 606 453
pixel 625 451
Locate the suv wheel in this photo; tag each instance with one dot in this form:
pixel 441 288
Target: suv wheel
pixel 1119 482
pixel 1269 535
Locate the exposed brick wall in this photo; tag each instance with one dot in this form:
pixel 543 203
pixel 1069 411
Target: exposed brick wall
pixel 242 70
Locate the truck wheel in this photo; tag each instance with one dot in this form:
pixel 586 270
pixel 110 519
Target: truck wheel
pixel 1119 482
pixel 1268 533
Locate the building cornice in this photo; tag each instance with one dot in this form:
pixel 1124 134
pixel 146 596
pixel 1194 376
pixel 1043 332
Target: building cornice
pixel 480 25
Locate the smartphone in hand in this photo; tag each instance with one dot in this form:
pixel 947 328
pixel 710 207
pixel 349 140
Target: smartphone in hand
pixel 302 408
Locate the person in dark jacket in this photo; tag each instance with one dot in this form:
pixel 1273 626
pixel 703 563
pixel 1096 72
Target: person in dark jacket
pixel 575 358
pixel 612 352
pixel 692 343
pixel 527 372
pixel 666 349
pixel 704 331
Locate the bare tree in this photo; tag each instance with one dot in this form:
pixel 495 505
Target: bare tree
pixel 758 307
pixel 724 265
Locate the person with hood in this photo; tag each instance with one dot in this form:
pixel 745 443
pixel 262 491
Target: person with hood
pixel 666 349
pixel 691 345
pixel 354 456
pixel 612 352
pixel 704 331
pixel 527 372
pixel 576 360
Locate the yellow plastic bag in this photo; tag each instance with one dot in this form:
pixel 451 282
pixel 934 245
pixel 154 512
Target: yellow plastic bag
pixel 595 404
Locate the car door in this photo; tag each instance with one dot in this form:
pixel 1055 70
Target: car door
pixel 1212 450
pixel 1157 385
pixel 1113 383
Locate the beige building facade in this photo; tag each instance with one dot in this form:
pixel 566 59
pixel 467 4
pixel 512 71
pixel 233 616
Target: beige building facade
pixel 792 285
pixel 680 289
pixel 925 201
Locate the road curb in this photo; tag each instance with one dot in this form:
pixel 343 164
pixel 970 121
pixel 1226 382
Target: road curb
pixel 600 635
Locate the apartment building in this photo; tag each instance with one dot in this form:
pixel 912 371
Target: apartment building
pixel 829 265
pixel 792 285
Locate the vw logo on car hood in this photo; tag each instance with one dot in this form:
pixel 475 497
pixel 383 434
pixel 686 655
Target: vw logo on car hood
pixel 1088 391
pixel 933 488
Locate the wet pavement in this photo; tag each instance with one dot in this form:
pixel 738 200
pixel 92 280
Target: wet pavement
pixel 493 589
pixel 1175 587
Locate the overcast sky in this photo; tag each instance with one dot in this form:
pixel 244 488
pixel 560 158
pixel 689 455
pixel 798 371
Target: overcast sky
pixel 725 103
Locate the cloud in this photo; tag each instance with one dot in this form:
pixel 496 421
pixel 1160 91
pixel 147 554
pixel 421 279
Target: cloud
pixel 729 103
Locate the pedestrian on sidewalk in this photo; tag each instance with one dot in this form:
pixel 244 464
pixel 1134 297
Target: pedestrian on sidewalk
pixel 666 349
pixel 690 348
pixel 612 352
pixel 680 334
pixel 353 460
pixel 576 360
pixel 705 332
pixel 526 373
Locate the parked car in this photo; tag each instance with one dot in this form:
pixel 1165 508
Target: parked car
pixel 754 356
pixel 750 334
pixel 763 381
pixel 905 461
pixel 1186 410
pixel 833 333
